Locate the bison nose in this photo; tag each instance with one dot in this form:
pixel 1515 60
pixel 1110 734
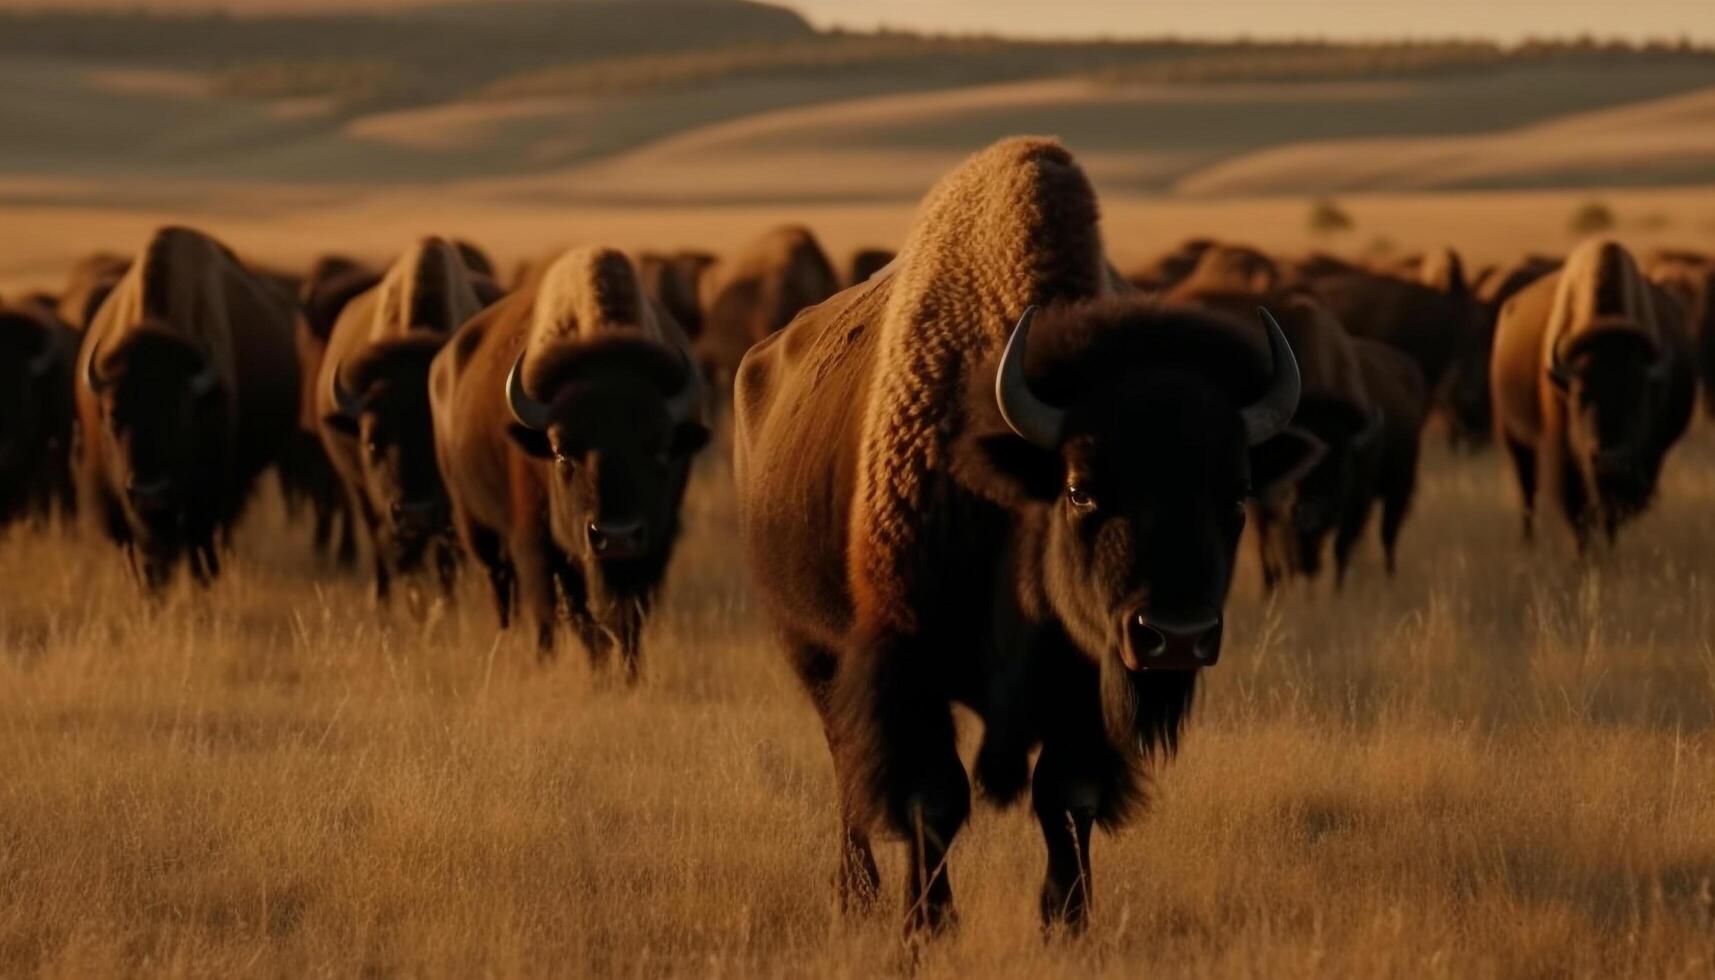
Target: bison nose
pixel 1162 641
pixel 617 539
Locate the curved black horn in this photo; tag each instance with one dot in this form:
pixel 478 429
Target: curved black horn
pixel 1033 419
pixel 529 412
pixel 91 378
pixel 348 402
pixel 1269 414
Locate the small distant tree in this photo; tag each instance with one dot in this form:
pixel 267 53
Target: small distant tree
pixel 1328 218
pixel 1592 218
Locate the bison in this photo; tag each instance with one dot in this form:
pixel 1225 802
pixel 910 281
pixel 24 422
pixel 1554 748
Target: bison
pixel 36 354
pixel 866 262
pixel 1384 467
pixel 1593 384
pixel 565 421
pixel 307 477
pixel 755 291
pixel 986 479
pixel 673 280
pixel 1691 280
pixel 90 280
pixel 1170 268
pixel 186 390
pixel 372 407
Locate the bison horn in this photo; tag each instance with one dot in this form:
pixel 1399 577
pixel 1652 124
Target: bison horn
pixel 529 412
pixel 1034 420
pixel 91 377
pixel 1269 414
pixel 344 399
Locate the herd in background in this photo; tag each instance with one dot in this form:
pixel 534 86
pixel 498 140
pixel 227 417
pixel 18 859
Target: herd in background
pixel 894 427
pixel 154 391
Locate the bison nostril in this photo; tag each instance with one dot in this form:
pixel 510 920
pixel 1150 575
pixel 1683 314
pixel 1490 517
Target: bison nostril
pixel 1146 639
pixel 598 539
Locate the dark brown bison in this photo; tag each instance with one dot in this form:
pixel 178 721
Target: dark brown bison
pixel 1593 385
pixel 1691 280
pixel 372 405
pixel 866 262
pixel 87 285
pixel 753 292
pixel 1435 320
pixel 565 422
pixel 1384 466
pixel 186 391
pixel 1170 268
pixel 37 351
pixel 1295 514
pixel 1036 516
pixel 1224 268
pixel 307 478
pixel 673 281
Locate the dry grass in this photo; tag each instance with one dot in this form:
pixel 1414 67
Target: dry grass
pixel 1498 765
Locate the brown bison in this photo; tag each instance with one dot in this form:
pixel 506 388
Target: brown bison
pixel 307 478
pixel 750 294
pixel 186 391
pixel 87 285
pixel 1435 320
pixel 1170 268
pixel 948 497
pixel 372 403
pixel 1593 385
pixel 866 262
pixel 1691 280
pixel 36 354
pixel 1384 467
pixel 565 420
pixel 673 281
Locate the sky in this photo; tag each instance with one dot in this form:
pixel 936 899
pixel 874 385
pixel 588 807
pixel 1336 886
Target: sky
pixel 1507 20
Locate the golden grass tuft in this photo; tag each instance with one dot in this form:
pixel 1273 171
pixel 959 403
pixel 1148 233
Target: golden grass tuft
pixel 1498 765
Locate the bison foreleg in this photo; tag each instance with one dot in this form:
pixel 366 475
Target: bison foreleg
pixel 1066 808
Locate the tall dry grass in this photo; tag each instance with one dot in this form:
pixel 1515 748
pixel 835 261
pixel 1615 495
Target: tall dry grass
pixel 1498 765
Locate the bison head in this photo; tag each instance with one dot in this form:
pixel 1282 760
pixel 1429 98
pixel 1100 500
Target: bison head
pixel 30 357
pixel 165 433
pixel 1615 383
pixel 381 400
pixel 619 431
pixel 1306 507
pixel 1136 454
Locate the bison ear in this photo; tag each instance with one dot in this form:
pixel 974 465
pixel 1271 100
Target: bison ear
pixel 1036 473
pixel 689 438
pixel 1285 458
pixel 341 423
pixel 534 442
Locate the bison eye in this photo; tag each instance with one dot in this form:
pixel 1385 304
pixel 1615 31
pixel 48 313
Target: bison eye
pixel 1079 497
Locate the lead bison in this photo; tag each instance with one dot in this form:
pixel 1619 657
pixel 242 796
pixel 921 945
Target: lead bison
pixel 372 407
pixel 1592 386
pixel 948 497
pixel 565 420
pixel 36 355
pixel 186 392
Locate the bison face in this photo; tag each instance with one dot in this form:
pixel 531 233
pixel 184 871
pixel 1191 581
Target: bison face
pixel 619 443
pixel 387 412
pixel 1144 480
pixel 163 431
pixel 1614 386
pixel 28 361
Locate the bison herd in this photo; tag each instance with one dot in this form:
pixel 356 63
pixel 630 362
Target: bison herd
pixel 989 470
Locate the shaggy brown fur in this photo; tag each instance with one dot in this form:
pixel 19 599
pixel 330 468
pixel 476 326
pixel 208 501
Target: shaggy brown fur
pixel 1024 206
pixel 379 351
pixel 187 304
pixel 1607 324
